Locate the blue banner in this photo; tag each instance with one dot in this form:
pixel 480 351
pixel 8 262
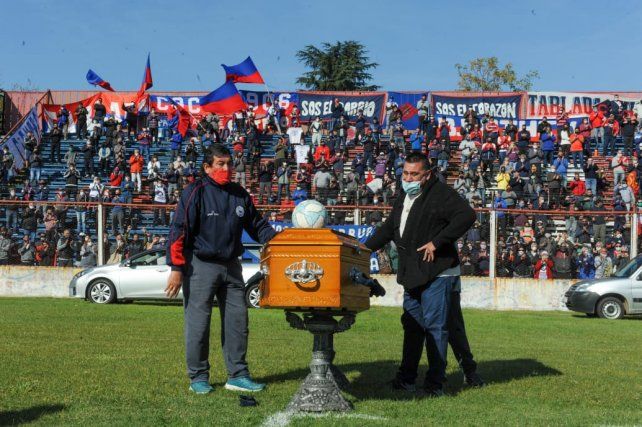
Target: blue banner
pixel 16 142
pixel 360 232
pixel 407 102
pixel 317 104
pixel 454 107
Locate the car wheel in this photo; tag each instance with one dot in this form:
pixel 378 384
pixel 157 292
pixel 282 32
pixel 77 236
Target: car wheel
pixel 253 296
pixel 101 292
pixel 610 308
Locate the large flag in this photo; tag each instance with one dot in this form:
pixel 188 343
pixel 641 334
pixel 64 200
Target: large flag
pixel 224 100
pixel 141 98
pixel 94 79
pixel 183 121
pixel 147 78
pixel 245 72
pixel 16 142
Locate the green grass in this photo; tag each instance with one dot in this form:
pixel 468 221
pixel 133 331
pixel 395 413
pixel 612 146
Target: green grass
pixel 71 362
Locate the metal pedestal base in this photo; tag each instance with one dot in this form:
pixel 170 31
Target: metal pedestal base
pixel 321 390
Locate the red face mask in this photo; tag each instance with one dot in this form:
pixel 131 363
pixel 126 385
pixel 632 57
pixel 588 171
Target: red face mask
pixel 221 176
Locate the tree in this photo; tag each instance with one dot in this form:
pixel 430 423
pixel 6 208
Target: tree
pixel 485 75
pixel 340 66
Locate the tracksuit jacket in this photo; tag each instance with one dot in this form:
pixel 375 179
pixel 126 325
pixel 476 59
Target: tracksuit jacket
pixel 209 223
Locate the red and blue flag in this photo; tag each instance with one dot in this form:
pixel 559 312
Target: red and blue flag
pixel 245 72
pixel 183 121
pixel 94 79
pixel 224 100
pixel 147 78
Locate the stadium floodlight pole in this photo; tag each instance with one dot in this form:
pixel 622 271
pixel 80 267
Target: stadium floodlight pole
pixel 493 243
pixel 100 231
pixel 633 250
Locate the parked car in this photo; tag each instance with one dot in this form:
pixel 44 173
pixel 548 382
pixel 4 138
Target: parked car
pixel 610 298
pixel 143 276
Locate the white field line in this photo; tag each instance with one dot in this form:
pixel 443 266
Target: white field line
pixel 283 418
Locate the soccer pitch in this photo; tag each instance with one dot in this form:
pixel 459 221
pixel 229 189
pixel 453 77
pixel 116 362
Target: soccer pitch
pixel 73 363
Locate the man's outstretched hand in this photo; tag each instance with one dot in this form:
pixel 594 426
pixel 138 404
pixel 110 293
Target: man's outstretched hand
pixel 429 251
pixel 174 283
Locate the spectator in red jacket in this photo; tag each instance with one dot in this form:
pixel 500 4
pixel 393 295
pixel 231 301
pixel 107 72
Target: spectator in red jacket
pixel 136 162
pixel 577 148
pixel 543 267
pixel 116 177
pixel 322 152
pixel 577 186
pixel 597 122
pixel 492 129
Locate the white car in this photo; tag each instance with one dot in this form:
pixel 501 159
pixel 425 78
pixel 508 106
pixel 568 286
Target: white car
pixel 142 276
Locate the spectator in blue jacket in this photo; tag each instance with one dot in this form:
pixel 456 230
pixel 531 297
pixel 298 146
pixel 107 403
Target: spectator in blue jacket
pixel 561 166
pixel 299 195
pixel 416 140
pixel 176 141
pixel 547 140
pixel 585 264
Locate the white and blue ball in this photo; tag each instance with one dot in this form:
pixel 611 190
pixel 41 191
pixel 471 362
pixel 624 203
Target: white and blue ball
pixel 309 214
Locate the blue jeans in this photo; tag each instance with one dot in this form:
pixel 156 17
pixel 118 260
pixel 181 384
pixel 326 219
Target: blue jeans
pixel 578 158
pixel 34 174
pixel 548 157
pixel 591 183
pixel 12 220
pixel 429 307
pixel 609 144
pixel 144 151
pixel 81 224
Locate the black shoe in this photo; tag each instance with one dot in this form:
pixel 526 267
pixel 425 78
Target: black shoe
pixel 434 392
pixel 474 380
pixel 398 384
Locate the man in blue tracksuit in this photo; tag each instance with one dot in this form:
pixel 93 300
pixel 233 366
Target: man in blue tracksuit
pixel 203 251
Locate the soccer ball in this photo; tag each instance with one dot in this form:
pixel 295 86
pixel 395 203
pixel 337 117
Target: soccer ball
pixel 309 214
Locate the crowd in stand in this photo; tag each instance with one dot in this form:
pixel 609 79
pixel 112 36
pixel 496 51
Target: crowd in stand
pixel 490 165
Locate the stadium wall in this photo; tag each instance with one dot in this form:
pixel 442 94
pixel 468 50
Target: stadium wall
pixel 477 292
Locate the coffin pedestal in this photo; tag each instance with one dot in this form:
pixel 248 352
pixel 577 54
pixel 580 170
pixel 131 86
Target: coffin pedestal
pixel 312 271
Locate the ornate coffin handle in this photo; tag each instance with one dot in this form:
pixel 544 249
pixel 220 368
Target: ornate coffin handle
pixel 304 272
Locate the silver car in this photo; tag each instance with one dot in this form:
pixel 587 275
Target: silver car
pixel 610 298
pixel 142 276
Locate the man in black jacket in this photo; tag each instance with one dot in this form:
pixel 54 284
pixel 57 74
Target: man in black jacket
pixel 425 224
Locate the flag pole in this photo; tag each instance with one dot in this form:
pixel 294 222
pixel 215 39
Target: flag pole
pixel 278 126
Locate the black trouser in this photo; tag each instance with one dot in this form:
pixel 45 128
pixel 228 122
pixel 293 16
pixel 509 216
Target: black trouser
pixel 88 168
pixel 414 337
pixel 154 132
pixel 628 145
pixel 131 127
pixel 55 151
pixel 81 130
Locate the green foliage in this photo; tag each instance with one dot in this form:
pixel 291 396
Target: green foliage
pixel 485 75
pixel 342 66
pixel 68 362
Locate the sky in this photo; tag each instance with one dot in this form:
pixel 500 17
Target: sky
pixel 574 45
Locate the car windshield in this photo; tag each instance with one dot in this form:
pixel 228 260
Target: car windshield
pixel 630 268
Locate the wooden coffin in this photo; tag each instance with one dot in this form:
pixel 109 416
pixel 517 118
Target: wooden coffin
pixel 309 269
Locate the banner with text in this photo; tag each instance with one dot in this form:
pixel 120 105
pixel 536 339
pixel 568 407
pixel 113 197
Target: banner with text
pixel 113 103
pixel 314 104
pixel 407 103
pixel 16 142
pixel 502 107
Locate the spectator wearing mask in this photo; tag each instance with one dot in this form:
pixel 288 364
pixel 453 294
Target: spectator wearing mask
pixel 548 147
pixel 577 148
pixel 65 250
pixel 27 252
pixel 629 125
pixel 544 267
pixel 136 162
pixel 603 265
pixel 619 165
